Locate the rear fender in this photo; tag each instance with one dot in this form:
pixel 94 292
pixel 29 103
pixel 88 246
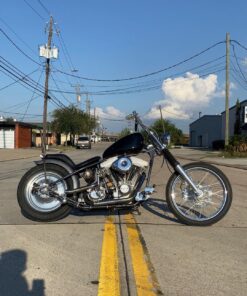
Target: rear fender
pixel 75 178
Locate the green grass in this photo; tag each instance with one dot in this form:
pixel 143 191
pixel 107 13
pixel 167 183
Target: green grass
pixel 228 154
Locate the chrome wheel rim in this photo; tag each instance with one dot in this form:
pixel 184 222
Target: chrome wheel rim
pixel 209 204
pixel 40 200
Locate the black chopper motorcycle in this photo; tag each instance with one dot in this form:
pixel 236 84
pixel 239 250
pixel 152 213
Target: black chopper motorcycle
pixel 197 193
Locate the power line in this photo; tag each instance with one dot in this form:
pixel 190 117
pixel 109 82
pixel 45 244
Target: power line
pixel 12 83
pixel 13 31
pixel 236 59
pixel 145 83
pixel 239 44
pixel 112 119
pixel 44 7
pixel 32 97
pixel 148 74
pixel 18 113
pixel 34 10
pixel 17 73
pixel 28 83
pixel 18 48
pixel 130 90
pixel 60 89
pixel 234 69
pixel 238 82
pixel 64 49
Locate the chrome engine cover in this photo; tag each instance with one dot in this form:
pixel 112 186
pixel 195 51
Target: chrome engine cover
pixel 97 194
pixel 122 165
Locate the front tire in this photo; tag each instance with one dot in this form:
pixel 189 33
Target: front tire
pixel 204 210
pixel 41 207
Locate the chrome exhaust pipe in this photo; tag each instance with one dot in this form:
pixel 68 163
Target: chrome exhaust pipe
pixel 140 181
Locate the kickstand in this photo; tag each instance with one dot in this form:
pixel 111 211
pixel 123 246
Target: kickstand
pixel 136 211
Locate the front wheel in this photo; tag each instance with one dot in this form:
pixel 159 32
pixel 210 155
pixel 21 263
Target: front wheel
pixel 206 209
pixel 33 193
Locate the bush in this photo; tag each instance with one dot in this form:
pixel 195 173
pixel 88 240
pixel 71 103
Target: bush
pixel 218 145
pixel 237 143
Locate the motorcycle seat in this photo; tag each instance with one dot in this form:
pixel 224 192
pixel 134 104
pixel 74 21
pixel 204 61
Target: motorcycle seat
pixel 66 159
pixel 91 161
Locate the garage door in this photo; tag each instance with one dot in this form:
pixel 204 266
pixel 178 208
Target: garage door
pixel 7 138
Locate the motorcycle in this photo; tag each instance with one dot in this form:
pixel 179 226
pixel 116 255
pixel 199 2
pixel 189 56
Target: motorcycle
pixel 197 193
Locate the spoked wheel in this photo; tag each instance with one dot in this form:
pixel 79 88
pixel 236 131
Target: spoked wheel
pixel 34 197
pixel 204 209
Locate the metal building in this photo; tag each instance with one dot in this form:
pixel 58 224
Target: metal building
pixel 209 128
pixel 205 130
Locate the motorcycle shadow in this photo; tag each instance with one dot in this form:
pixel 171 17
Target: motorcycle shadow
pixel 159 208
pixel 155 206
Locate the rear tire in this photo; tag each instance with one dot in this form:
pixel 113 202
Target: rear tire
pixel 32 205
pixel 191 210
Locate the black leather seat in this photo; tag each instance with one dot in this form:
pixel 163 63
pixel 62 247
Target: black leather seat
pixel 66 159
pixel 88 162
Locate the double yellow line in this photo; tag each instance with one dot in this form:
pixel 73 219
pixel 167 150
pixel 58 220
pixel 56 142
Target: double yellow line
pixel 109 280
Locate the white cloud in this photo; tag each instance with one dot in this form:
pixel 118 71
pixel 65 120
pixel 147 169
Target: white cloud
pixel 244 62
pixel 186 95
pixel 109 112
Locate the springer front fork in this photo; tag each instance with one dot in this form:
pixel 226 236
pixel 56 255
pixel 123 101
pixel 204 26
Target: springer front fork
pixel 178 168
pixel 141 196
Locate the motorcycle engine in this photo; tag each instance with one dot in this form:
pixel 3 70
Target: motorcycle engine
pixel 125 171
pixel 117 178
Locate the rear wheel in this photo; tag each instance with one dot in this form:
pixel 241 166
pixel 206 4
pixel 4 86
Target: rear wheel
pixel 207 208
pixel 34 198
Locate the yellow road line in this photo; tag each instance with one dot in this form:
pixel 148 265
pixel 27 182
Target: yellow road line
pixel 109 284
pixel 145 278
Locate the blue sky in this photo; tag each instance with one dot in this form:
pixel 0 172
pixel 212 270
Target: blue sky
pixel 121 39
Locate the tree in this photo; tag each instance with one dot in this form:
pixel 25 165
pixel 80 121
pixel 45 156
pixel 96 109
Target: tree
pixel 70 120
pixel 125 132
pixel 175 133
pixel 237 127
pixel 9 119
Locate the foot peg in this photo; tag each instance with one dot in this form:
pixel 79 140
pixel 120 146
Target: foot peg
pixel 144 195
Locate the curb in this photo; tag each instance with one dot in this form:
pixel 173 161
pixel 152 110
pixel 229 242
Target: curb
pixel 12 159
pixel 215 163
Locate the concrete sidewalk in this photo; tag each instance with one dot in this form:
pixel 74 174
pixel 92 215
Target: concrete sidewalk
pixel 15 154
pixel 210 157
pixel 24 153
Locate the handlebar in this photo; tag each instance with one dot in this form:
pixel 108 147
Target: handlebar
pixel 152 136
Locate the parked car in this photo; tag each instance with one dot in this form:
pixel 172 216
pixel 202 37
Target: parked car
pixel 83 142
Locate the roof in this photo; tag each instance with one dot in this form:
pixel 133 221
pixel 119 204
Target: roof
pixel 14 123
pixel 204 116
pixel 241 103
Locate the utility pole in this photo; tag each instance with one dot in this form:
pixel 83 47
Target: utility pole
pixel 227 89
pixel 78 96
pixel 162 120
pixel 47 72
pixel 88 105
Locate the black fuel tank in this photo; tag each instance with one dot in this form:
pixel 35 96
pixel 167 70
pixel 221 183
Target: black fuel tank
pixel 131 144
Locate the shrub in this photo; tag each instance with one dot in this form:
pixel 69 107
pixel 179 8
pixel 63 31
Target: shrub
pixel 237 143
pixel 218 145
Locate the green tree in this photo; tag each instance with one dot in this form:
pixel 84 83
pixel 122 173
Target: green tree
pixel 175 133
pixel 73 121
pixel 237 127
pixel 9 119
pixel 125 132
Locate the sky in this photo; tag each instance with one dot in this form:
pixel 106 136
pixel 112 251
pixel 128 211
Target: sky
pixel 115 40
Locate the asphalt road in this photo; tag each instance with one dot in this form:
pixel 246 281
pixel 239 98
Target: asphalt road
pixel 145 253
